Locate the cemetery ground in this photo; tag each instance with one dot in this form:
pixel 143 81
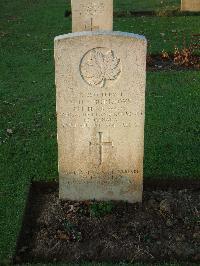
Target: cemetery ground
pixel 28 149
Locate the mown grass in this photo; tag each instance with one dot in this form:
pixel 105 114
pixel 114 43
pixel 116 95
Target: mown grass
pixel 144 5
pixel 172 125
pixel 162 33
pixel 28 149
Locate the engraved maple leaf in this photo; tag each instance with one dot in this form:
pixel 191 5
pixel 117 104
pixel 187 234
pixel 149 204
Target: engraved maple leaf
pixel 100 67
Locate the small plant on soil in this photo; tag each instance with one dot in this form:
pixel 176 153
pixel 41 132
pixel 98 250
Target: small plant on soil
pixel 185 56
pixel 70 232
pixel 99 209
pixel 165 55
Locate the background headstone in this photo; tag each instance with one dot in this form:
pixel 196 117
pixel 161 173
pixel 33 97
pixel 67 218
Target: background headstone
pixel 190 5
pixel 100 81
pixel 92 15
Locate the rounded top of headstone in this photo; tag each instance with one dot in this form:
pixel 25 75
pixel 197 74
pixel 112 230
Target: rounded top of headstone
pixel 101 33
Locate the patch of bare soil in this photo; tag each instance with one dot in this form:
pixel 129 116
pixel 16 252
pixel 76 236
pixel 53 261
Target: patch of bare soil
pixel 165 227
pixel 147 13
pixel 157 63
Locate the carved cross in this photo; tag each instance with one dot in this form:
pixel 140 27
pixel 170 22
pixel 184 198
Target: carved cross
pixel 101 143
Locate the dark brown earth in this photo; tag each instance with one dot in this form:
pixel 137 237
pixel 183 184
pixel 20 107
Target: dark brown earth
pixel 164 227
pixel 157 63
pixel 133 13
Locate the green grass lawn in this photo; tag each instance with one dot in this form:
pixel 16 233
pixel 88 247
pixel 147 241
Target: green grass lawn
pixel 28 149
pixel 170 31
pixel 142 5
pixel 147 5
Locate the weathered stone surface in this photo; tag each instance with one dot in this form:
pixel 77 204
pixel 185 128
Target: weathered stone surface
pixel 190 5
pixel 100 81
pixel 92 15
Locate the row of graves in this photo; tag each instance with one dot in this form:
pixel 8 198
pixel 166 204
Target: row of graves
pixel 100 103
pixel 98 15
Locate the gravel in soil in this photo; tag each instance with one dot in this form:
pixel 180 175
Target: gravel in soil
pixel 165 227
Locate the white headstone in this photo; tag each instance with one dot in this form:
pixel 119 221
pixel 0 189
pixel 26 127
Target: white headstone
pixel 100 81
pixel 92 15
pixel 190 5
